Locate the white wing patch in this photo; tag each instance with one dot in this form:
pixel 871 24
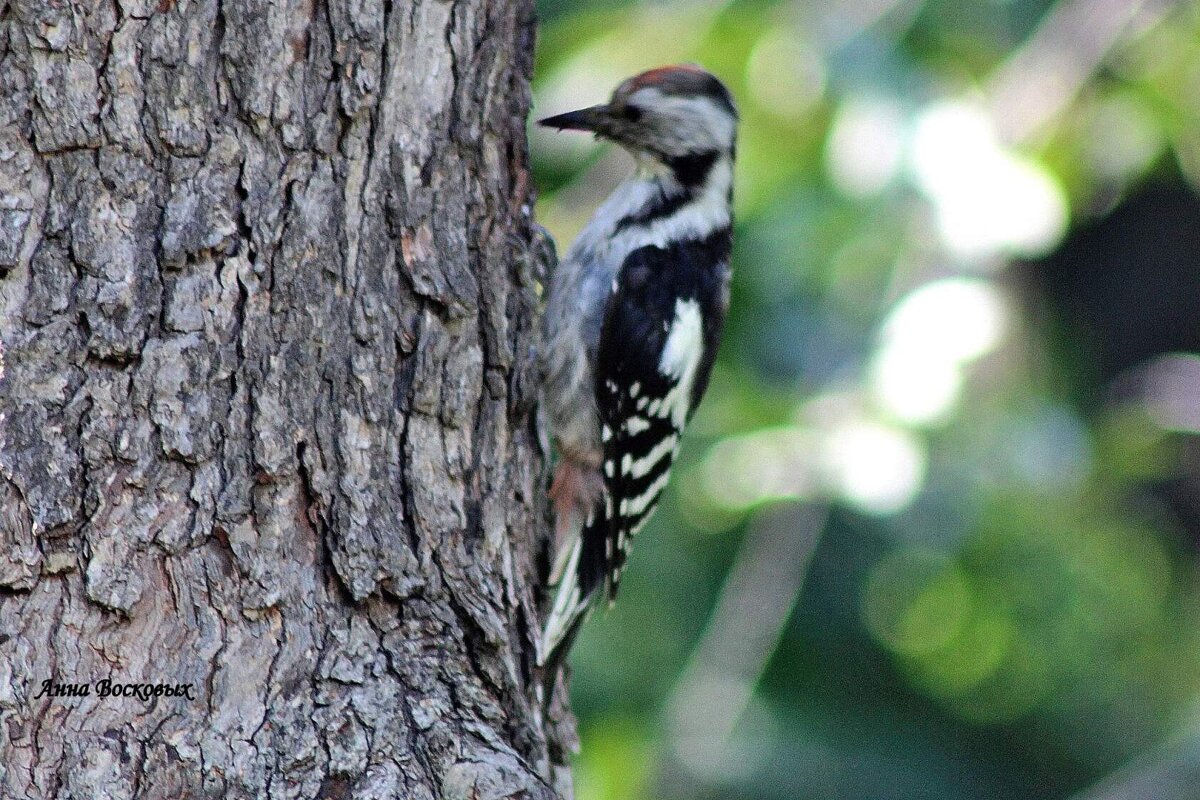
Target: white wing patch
pixel 681 358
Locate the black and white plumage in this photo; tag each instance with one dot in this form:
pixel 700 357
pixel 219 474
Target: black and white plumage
pixel 632 322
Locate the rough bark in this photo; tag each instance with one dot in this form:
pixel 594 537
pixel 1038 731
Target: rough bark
pixel 266 311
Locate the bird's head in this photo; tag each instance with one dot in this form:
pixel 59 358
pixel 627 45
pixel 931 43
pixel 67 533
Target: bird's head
pixel 669 114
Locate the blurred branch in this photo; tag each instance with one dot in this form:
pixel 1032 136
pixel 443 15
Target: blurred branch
pixel 1040 79
pixel 1172 772
pixel 840 23
pixel 757 600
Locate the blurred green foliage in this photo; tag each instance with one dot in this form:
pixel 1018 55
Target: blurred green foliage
pixel 998 600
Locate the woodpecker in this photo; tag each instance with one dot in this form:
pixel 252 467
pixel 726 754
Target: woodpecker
pixel 633 317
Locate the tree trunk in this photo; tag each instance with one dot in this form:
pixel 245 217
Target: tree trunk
pixel 267 439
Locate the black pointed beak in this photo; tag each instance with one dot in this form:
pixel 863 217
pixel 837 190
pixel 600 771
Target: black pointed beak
pixel 585 119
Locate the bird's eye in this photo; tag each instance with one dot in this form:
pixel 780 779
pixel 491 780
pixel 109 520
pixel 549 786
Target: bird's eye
pixel 632 113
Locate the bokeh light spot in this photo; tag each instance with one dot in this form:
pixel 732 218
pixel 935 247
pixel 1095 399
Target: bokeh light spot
pixel 865 145
pixel 1171 387
pixel 988 200
pixel 916 375
pixel 1022 682
pixel 915 601
pixel 874 467
pixel 772 464
pixel 1124 138
pixel 971 655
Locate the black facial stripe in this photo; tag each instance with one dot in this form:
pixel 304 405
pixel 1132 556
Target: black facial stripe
pixel 692 170
pixel 663 204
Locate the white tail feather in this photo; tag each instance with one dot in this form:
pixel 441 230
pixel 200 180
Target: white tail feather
pixel 563 560
pixel 568 605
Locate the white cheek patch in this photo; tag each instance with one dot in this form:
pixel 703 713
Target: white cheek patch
pixel 698 121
